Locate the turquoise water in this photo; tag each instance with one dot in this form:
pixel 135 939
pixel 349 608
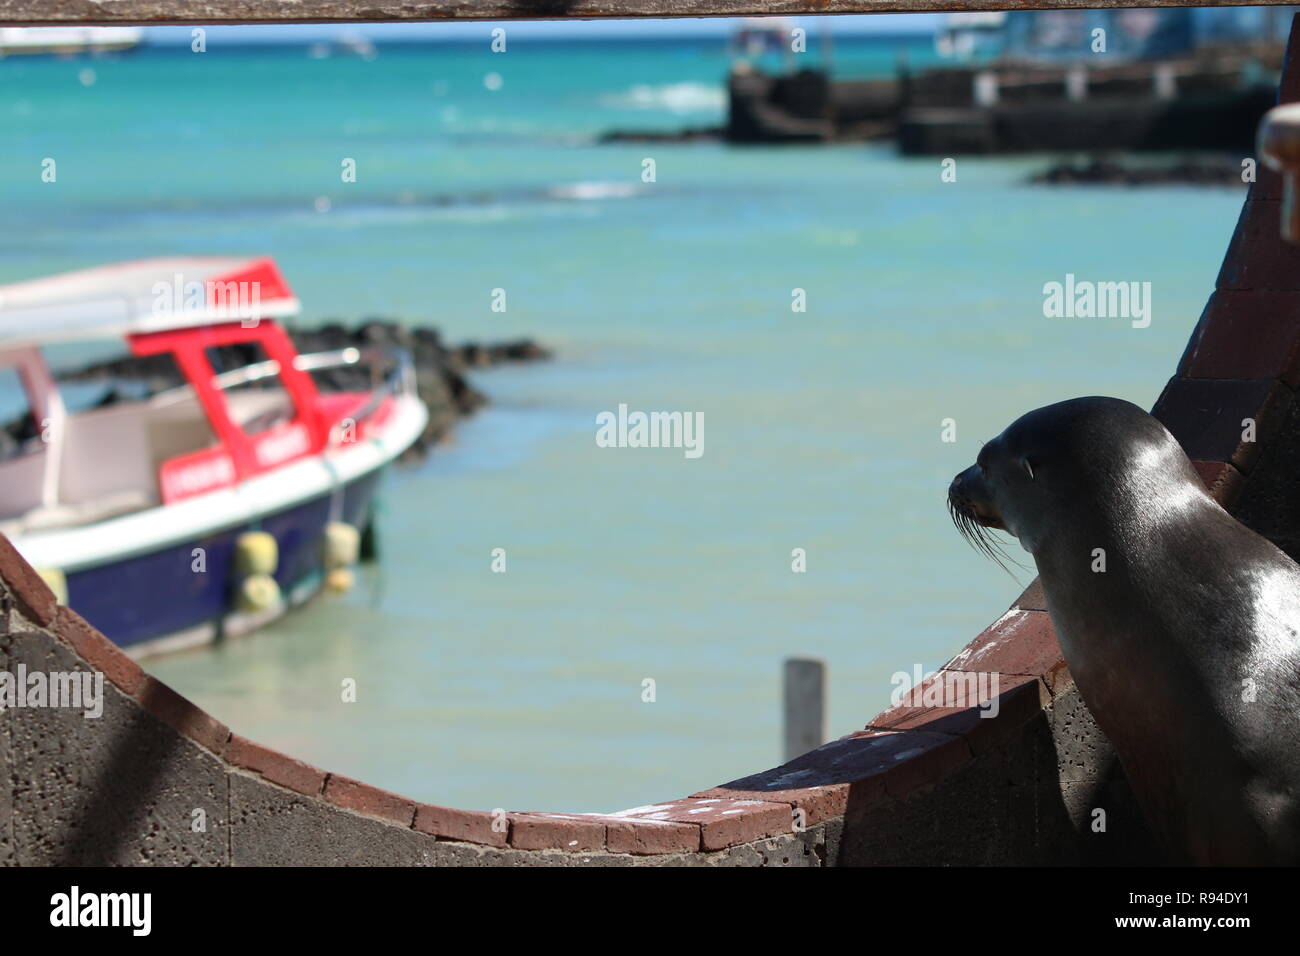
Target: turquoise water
pixel 822 431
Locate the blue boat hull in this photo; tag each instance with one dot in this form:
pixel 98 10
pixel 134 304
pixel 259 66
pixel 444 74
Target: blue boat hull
pixel 149 597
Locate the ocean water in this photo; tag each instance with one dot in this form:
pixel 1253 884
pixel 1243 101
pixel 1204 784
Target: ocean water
pixel 822 428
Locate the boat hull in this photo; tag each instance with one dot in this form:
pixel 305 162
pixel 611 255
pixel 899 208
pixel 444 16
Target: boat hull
pixel 165 577
pixel 183 594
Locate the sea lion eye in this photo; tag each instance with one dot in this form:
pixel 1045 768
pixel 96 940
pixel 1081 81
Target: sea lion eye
pixel 1026 464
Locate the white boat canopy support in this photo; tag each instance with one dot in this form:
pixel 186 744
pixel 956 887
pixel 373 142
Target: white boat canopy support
pixel 45 405
pixel 146 295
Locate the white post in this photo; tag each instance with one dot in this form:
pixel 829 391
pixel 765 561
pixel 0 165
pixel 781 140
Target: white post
pixel 1076 83
pixel 1166 82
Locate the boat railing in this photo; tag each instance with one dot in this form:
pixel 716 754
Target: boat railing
pixel 373 356
pixel 398 379
pixel 246 374
pixel 334 358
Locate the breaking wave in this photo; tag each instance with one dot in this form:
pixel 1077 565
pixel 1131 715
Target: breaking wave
pixel 670 97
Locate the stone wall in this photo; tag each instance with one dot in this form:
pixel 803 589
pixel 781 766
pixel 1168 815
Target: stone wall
pixel 919 785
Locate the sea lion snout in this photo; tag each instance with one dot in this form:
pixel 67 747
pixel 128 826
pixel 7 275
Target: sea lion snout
pixel 974 513
pixel 968 496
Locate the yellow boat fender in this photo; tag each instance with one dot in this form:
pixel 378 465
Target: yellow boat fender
pixel 57 581
pixel 339 580
pixel 342 545
pixel 258 592
pixel 256 552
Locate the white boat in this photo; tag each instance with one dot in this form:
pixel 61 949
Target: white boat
pixel 68 41
pixel 971 35
pixel 213 504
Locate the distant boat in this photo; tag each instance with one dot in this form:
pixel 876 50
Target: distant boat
pixel 756 37
pixel 348 43
pixel 356 44
pixel 971 35
pixel 234 491
pixel 68 41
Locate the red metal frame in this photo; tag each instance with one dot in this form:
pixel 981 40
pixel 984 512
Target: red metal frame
pixel 239 455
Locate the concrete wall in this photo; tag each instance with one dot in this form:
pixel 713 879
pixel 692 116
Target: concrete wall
pixel 919 785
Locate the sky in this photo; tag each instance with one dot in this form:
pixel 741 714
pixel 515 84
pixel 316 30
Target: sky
pixel 540 29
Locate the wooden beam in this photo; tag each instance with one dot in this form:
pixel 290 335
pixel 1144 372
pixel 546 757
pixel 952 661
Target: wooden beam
pixel 147 12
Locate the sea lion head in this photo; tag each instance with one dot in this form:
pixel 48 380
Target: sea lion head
pixel 1074 462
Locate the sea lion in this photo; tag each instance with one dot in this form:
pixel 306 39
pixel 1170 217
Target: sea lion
pixel 1179 624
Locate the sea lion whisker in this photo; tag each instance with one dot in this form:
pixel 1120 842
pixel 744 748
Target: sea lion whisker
pixel 981 539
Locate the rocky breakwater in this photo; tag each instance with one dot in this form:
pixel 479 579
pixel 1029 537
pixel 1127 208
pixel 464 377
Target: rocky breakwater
pixel 1195 171
pixel 440 369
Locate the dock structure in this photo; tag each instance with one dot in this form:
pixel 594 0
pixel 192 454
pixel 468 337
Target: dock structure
pixel 1082 80
pixel 917 785
pixel 1009 108
pixel 1190 104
